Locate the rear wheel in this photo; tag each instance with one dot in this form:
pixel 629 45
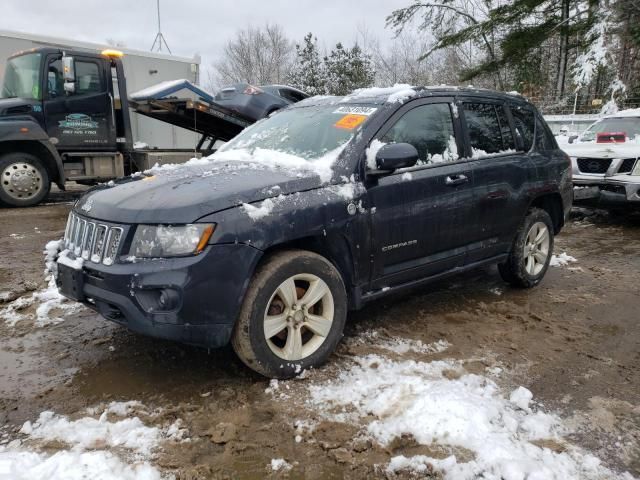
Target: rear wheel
pixel 531 251
pixel 24 180
pixel 292 316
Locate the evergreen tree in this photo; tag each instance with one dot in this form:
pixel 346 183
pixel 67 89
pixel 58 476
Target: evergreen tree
pixel 308 72
pixel 347 70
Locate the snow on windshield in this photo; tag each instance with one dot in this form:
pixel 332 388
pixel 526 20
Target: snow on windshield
pixel 309 138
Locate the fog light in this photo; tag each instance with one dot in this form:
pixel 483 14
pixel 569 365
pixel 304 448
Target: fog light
pixel 169 299
pixel 158 300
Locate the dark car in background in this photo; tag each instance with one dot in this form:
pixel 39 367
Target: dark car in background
pixel 322 208
pixel 258 102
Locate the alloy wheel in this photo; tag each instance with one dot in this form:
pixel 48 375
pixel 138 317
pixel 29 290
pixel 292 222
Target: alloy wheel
pixel 536 248
pixel 298 317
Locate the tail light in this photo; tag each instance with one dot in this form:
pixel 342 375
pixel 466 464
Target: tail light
pixel 251 90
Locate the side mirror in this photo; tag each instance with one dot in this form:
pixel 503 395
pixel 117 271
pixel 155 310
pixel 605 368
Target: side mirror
pixel 69 74
pixel 573 138
pixel 396 155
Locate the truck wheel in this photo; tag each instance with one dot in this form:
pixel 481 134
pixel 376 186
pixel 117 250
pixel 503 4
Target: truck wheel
pixel 24 180
pixel 531 251
pixel 292 316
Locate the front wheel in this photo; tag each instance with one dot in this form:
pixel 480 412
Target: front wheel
pixel 24 180
pixel 292 316
pixel 531 252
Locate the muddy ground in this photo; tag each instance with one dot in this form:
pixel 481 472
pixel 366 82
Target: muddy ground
pixel 574 342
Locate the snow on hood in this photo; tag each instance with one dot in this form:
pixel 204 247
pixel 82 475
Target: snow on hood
pixel 602 150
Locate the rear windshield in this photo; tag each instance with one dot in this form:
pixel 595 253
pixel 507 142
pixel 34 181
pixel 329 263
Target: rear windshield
pixel 630 126
pixel 307 132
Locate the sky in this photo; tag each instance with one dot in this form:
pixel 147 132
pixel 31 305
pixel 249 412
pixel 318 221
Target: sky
pixel 197 26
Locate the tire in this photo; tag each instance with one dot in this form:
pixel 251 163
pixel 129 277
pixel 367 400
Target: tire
pixel 24 180
pixel 294 342
pixel 527 264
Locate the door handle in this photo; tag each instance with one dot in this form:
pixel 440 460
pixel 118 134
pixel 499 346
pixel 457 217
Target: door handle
pixel 453 180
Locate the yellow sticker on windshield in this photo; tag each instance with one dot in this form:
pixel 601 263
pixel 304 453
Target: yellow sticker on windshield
pixel 350 121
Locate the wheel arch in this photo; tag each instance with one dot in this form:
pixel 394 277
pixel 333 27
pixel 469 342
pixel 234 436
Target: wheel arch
pixel 552 204
pixel 48 155
pixel 335 248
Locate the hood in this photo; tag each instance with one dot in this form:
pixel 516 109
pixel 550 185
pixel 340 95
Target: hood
pixel 15 106
pixel 183 194
pixel 602 150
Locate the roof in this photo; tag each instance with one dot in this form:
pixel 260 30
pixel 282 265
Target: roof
pixel 97 47
pixel 402 92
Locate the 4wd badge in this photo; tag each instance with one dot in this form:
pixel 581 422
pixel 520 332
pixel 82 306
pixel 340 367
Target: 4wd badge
pixel 78 122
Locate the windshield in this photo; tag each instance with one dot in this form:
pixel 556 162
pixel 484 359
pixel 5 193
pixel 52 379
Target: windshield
pixel 306 132
pixel 22 77
pixel 630 126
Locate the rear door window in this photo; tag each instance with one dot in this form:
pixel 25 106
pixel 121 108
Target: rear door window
pixel 488 127
pixel 524 123
pixel 429 128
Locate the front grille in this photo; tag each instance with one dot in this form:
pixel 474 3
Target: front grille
pixel 627 165
pixel 594 165
pixel 91 240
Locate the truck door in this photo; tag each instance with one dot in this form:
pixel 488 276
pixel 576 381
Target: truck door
pixel 83 119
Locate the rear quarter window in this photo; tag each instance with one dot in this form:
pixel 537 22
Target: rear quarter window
pixel 544 138
pixel 525 124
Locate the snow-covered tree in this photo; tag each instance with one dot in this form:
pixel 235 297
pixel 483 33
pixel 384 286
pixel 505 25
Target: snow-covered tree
pixel 348 69
pixel 308 72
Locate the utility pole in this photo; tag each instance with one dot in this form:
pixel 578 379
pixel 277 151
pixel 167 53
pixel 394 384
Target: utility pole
pixel 159 40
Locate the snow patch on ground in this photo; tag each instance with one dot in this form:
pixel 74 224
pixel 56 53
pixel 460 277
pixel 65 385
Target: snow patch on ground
pixel 425 400
pixel 89 441
pixel 280 464
pixel 561 260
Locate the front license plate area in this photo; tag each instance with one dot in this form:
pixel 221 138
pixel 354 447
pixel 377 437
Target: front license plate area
pixel 70 282
pixel 586 192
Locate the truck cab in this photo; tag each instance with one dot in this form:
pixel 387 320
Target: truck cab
pixel 61 117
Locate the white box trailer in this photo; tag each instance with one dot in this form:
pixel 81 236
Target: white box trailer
pixel 143 69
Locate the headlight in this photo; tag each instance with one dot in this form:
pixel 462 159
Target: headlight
pixel 170 240
pixel 636 169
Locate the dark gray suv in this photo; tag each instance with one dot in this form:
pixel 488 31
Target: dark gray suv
pixel 321 208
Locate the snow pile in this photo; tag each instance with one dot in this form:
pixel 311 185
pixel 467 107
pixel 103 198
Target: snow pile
pixel 561 260
pixel 70 465
pixel 90 433
pixel 89 440
pixel 46 299
pixel 440 403
pixel 280 464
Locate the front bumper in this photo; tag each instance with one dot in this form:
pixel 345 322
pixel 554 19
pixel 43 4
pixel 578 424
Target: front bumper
pixel 205 292
pixel 600 190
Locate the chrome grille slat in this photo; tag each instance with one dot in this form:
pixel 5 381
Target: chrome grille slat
pixel 92 241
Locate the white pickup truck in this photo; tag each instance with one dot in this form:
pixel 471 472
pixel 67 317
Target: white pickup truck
pixel 605 159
